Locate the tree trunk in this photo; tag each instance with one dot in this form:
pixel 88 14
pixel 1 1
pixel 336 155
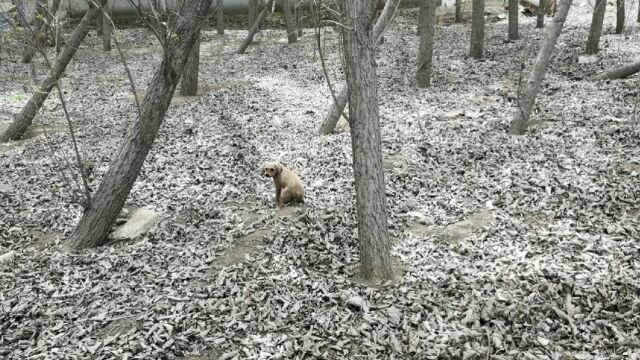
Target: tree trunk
pixel 99 25
pixel 359 45
pixel 596 26
pixel 638 19
pixel 253 12
pixel 619 16
pixel 459 9
pixel 189 82
pixel 528 96
pixel 108 200
pixel 220 18
pixel 619 73
pixel 541 11
pixel 513 20
pixel 298 10
pixel 25 12
pixel 289 22
pixel 425 52
pixel 29 111
pixel 477 29
pixel 336 109
pixel 256 25
pixel 107 28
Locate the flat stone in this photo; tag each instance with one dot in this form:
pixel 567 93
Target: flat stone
pixel 6 188
pixel 587 59
pixel 140 221
pixel 449 115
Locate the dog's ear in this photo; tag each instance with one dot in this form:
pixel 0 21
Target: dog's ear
pixel 278 168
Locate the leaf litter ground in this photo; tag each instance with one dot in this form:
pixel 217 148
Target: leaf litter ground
pixel 506 247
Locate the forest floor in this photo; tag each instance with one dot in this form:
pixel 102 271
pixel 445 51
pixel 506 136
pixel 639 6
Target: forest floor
pixel 507 247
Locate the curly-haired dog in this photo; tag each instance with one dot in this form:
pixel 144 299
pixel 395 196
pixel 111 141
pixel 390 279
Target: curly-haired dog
pixel 288 185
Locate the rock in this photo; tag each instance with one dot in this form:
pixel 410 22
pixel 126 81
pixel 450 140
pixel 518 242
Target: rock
pixel 587 59
pixel 418 216
pixel 356 303
pixel 6 188
pixel 342 125
pixel 450 115
pixel 141 220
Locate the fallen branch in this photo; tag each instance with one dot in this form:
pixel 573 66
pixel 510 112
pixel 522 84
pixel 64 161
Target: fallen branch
pixel 619 73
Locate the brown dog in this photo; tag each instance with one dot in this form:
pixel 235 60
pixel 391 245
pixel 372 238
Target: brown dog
pixel 288 185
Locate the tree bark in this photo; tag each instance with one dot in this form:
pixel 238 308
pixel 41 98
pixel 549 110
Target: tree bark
pixel 256 25
pixel 253 12
pixel 298 11
pixel 541 11
pixel 22 121
pixel 289 22
pixel 108 200
pixel 359 45
pixel 336 109
pixel 513 20
pixel 596 27
pixel 638 19
pixel 99 25
pixel 220 18
pixel 527 98
pixel 189 82
pixel 107 28
pixel 619 73
pixel 477 29
pixel 425 52
pixel 459 9
pixel 619 16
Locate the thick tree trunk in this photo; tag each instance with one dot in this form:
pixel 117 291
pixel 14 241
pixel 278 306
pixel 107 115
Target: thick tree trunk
pixel 619 73
pixel 42 28
pixel 289 22
pixel 528 96
pixel 477 29
pixel 189 82
pixel 107 28
pixel 619 16
pixel 108 200
pixel 425 52
pixel 596 26
pixel 256 25
pixel 359 46
pixel 220 18
pixel 513 20
pixel 336 109
pixel 33 39
pixel 638 19
pixel 29 111
pixel 253 13
pixel 458 16
pixel 541 11
pixel 298 11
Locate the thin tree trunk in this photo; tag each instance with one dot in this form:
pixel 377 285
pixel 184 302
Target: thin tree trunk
pixel 620 16
pixel 336 109
pixel 97 220
pixel 247 41
pixel 42 28
pixel 513 20
pixel 107 28
pixel 459 9
pixel 541 11
pixel 477 29
pixel 425 52
pixel 528 96
pixel 220 18
pixel 619 73
pixel 596 27
pixel 189 82
pixel 638 19
pixel 298 10
pixel 359 45
pixel 29 111
pixel 33 37
pixel 289 22
pixel 253 12
pixel 99 25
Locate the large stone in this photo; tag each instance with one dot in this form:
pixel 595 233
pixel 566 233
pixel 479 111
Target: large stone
pixel 140 221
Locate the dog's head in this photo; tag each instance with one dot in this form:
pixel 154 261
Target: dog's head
pixel 271 169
